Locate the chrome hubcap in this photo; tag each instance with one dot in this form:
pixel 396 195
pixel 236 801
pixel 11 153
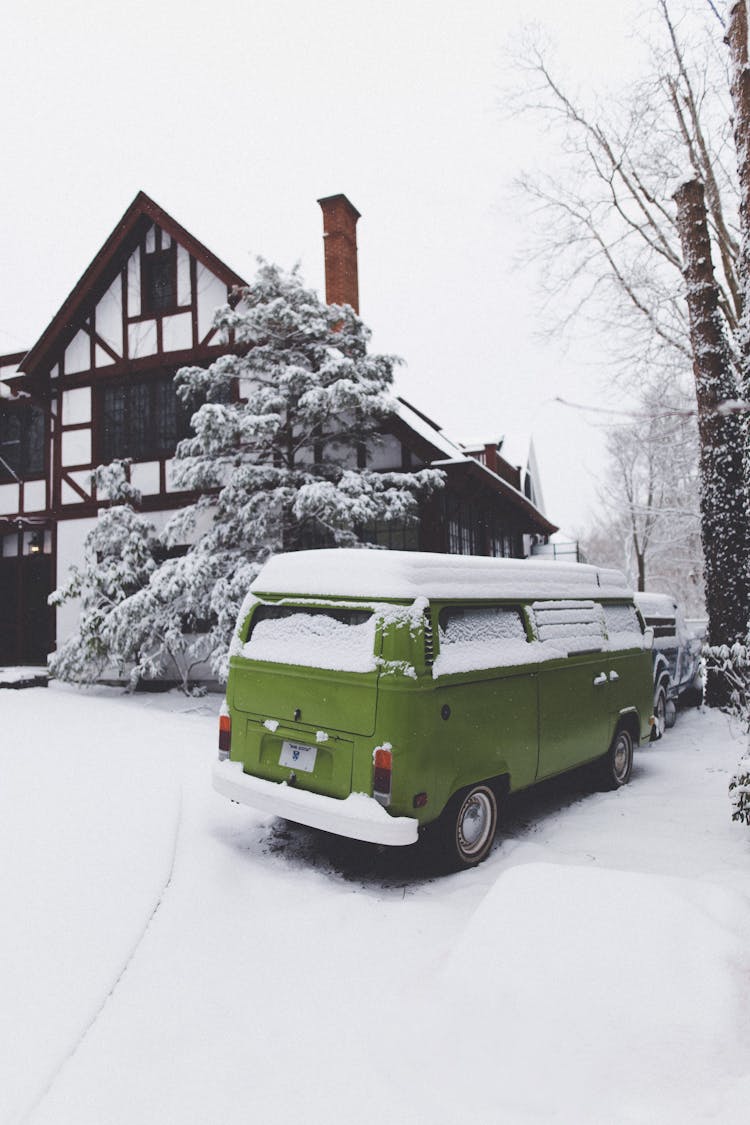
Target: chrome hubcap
pixel 474 823
pixel 621 756
pixel 661 715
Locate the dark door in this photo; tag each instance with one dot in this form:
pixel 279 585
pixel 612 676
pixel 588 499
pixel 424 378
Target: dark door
pixel 25 617
pixel 8 611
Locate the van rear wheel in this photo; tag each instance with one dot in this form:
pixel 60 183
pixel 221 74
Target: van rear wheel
pixel 468 827
pixel 617 764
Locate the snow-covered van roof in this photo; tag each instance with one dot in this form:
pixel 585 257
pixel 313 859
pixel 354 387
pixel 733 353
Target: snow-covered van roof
pixel 363 573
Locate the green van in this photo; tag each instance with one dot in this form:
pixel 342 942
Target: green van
pixel 382 694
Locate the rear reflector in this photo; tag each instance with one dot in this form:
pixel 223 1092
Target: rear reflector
pixel 382 761
pixel 225 736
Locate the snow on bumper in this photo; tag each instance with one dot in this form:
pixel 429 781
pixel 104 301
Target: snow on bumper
pixel 358 816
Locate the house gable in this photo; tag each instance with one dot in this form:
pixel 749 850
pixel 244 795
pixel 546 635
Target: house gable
pixel 106 362
pixel 97 324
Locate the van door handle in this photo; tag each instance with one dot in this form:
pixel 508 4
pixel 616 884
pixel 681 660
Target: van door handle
pixel 600 679
pixel 613 676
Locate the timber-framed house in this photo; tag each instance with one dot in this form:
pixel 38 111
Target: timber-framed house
pixel 98 385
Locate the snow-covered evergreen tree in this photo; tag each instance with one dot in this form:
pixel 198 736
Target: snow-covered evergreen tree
pixel 120 556
pixel 284 423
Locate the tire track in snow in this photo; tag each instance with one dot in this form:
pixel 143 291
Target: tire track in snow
pixel 27 1114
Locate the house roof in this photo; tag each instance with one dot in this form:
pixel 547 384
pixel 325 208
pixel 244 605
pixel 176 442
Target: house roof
pixel 99 274
pixel 448 454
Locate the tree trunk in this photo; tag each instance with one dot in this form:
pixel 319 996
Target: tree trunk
pixel 724 517
pixel 737 42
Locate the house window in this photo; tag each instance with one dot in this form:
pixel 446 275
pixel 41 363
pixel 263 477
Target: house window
pixel 159 274
pixel 395 535
pixel 462 527
pixel 502 545
pixel 22 431
pixel 141 419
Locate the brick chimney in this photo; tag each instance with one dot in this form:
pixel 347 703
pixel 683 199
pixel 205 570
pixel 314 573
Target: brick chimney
pixel 340 246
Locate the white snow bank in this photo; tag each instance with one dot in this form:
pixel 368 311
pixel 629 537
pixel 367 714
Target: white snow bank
pixel 89 813
pixel 17 675
pixel 594 970
pixel 589 982
pixel 349 572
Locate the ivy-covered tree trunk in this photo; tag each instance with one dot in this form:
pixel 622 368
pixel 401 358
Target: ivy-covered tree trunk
pixel 724 514
pixel 736 662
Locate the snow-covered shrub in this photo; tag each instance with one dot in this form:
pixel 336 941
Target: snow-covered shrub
pixel 733 663
pixel 156 631
pixel 120 555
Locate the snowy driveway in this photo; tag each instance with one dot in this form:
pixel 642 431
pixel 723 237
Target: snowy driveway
pixel 167 957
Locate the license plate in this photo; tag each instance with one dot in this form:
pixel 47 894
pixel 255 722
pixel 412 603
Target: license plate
pixel 298 757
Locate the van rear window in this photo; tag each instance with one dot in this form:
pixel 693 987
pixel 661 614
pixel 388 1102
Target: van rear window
pixel 338 639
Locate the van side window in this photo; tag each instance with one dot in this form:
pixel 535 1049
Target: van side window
pixel 474 637
pixel 622 624
pixel 571 626
pixel 460 625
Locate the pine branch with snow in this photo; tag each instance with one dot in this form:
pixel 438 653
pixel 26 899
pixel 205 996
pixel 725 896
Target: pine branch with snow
pixel 119 556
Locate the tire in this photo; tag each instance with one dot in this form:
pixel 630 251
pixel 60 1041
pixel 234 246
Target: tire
pixel 660 712
pixel 617 764
pixel 467 828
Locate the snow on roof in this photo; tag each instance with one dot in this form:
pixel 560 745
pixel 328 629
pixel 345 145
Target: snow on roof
pixel 430 431
pixel 362 573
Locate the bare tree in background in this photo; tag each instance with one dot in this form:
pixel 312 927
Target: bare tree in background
pixel 647 521
pixel 606 227
pixel 614 239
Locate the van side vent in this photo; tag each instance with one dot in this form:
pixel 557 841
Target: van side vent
pixel 429 640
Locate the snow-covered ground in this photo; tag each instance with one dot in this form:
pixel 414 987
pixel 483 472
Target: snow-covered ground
pixel 167 957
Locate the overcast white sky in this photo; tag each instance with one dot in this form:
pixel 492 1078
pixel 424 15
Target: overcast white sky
pixel 236 117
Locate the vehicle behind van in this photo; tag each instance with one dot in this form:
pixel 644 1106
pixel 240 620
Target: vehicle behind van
pixel 676 656
pixel 384 694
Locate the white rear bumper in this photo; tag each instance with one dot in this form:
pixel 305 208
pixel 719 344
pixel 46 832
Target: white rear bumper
pixel 359 817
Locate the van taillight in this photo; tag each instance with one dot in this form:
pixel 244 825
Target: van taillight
pixel 382 760
pixel 225 736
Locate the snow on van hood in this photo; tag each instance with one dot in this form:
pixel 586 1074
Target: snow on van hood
pixel 363 573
